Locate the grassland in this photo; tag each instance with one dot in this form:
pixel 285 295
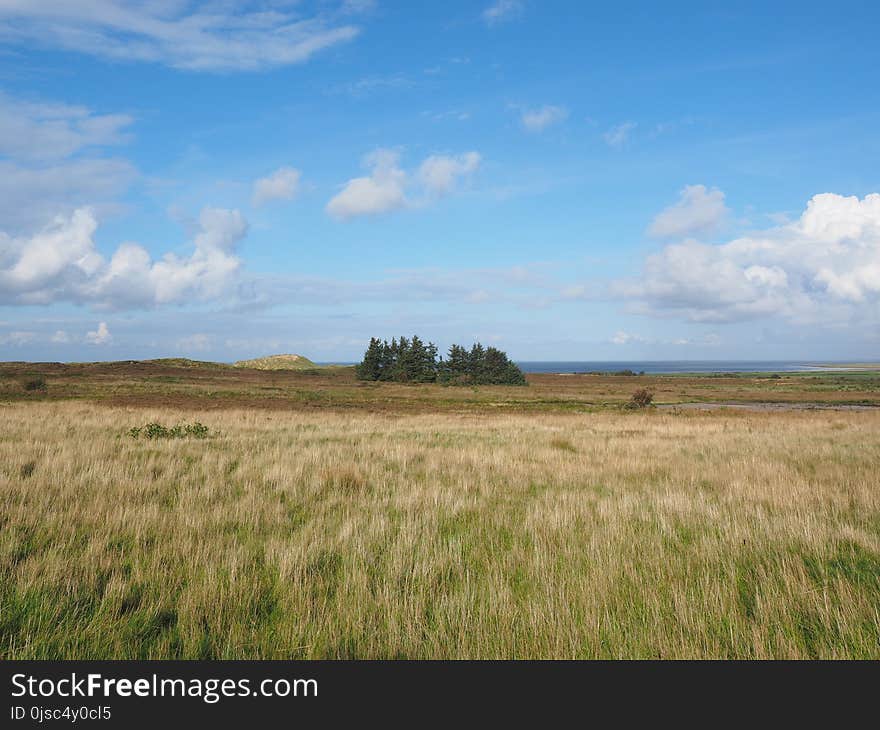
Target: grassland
pixel 201 385
pixel 278 362
pixel 323 518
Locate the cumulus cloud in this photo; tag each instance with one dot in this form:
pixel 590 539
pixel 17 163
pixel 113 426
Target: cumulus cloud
pixel 822 268
pixel 440 173
pixel 100 336
pixel 618 135
pixel 386 187
pixel 502 11
pixel 537 120
pixel 62 263
pixel 228 36
pixel 698 211
pixel 379 192
pixel 283 184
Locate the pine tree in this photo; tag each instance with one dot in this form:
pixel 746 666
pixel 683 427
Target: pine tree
pixel 494 366
pixel 454 367
pixel 412 361
pixel 476 363
pixel 371 366
pixel 386 361
pixel 430 364
pixel 399 372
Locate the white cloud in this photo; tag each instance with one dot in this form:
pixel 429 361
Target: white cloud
pixel 698 211
pixel 226 36
pixel 502 11
pixel 62 263
pixel 18 338
pixel 385 188
pixel 48 164
pixel 618 135
pixel 31 196
pixel 440 173
pixel 100 336
pixel 42 132
pixel 625 338
pixel 537 120
pixel 823 268
pixel 628 338
pixel 60 337
pixel 283 184
pixel 380 192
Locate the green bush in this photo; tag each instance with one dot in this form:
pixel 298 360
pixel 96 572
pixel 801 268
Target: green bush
pixel 34 384
pixel 158 431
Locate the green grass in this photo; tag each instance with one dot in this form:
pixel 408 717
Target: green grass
pixel 538 535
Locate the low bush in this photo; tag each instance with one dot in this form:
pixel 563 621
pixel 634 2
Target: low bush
pixel 158 431
pixel 642 398
pixel 34 384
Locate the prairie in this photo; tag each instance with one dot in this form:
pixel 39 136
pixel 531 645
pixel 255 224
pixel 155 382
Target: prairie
pixel 428 522
pixel 195 385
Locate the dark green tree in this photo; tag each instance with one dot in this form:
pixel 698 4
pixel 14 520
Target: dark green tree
pixel 371 366
pixel 455 367
pixel 476 364
pixel 413 361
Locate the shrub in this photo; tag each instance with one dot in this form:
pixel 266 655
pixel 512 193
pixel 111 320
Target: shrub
pixel 158 431
pixel 197 430
pixel 642 398
pixel 34 384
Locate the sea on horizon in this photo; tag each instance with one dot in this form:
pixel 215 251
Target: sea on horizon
pixel 666 367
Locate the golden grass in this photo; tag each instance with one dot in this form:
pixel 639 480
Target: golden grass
pixel 196 386
pixel 325 535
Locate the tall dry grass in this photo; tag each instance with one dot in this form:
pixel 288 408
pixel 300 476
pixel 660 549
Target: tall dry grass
pixel 439 536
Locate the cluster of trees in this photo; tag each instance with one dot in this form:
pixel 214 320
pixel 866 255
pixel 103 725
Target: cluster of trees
pixel 410 360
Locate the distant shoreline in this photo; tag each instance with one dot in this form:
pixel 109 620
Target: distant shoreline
pixel 693 367
pixel 588 367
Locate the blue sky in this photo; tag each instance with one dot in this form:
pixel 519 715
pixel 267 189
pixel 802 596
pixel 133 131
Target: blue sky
pixel 560 179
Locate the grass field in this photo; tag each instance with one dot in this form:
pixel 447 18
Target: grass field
pixel 200 386
pixel 323 518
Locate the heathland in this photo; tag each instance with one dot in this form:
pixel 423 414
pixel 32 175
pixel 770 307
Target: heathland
pixel 306 514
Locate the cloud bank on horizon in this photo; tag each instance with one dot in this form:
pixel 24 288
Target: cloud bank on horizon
pixel 823 268
pixel 186 157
